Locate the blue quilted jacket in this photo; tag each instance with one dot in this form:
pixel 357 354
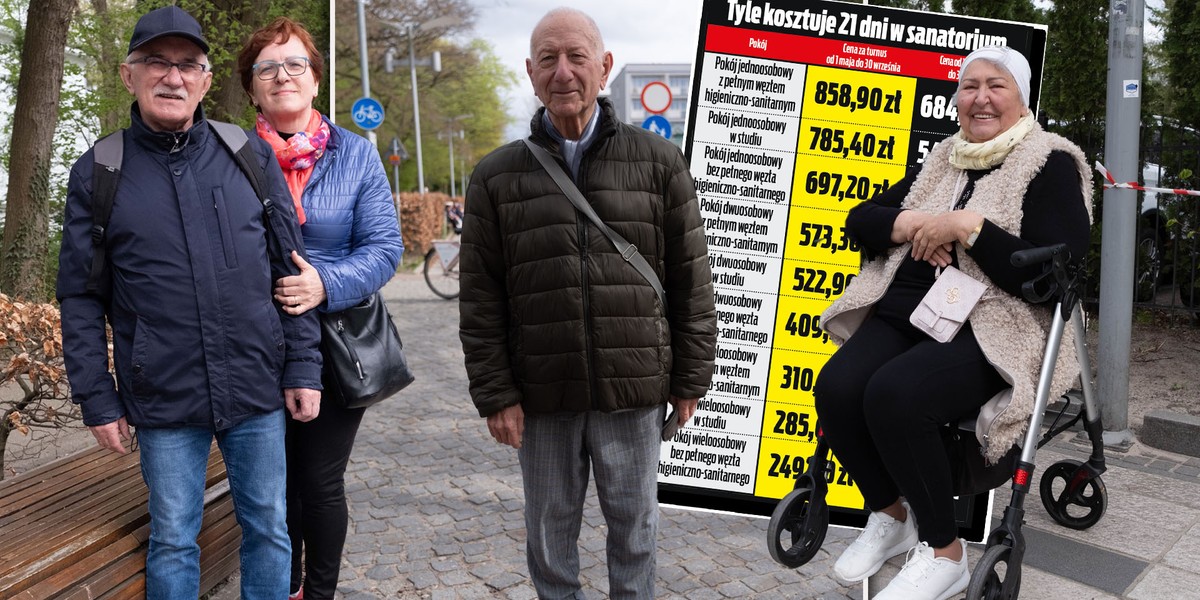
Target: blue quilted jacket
pixel 351 231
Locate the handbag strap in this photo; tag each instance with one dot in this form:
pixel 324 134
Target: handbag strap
pixel 628 251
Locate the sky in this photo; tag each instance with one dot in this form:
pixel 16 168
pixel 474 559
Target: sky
pixel 635 31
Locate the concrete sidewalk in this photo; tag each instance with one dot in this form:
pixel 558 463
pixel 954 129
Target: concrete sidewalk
pixel 436 510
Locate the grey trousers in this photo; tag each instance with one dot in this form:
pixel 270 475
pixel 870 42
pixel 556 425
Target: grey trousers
pixel 556 453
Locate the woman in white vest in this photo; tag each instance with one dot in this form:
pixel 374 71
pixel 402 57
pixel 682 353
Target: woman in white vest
pixel 999 185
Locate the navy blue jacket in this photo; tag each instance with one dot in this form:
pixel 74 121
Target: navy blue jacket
pixel 351 231
pixel 197 338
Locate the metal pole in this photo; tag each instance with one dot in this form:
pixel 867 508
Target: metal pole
pixel 396 179
pixel 412 67
pixel 1121 140
pixel 362 48
pixel 450 135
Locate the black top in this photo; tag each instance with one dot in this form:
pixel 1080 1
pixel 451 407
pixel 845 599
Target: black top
pixel 1053 212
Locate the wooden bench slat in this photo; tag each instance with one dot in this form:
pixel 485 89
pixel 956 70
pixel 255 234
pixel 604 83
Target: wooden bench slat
pixel 79 571
pixel 32 567
pixel 77 528
pixel 34 485
pixel 122 572
pixel 47 527
pixel 45 521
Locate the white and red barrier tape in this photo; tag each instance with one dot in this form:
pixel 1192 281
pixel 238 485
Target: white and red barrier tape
pixel 1133 185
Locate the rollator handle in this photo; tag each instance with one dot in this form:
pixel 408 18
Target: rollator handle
pixel 1020 258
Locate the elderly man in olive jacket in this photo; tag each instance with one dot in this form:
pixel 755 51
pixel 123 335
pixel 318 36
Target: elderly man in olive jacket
pixel 572 357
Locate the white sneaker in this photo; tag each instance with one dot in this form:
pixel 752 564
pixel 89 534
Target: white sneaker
pixel 926 577
pixel 882 538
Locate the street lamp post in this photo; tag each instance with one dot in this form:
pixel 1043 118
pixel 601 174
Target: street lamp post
pixel 362 55
pixel 450 132
pixel 409 29
pixel 412 67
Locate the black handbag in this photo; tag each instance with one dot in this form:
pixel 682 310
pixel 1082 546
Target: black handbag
pixel 363 355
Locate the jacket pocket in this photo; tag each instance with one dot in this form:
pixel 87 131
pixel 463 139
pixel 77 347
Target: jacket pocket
pixel 278 342
pixel 222 213
pixel 141 382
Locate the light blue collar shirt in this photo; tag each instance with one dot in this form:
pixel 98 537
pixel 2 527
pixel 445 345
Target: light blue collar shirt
pixel 573 150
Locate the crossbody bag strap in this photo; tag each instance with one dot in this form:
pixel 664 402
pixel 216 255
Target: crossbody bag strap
pixel 628 251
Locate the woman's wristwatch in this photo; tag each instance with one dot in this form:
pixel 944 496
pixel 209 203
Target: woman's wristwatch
pixel 973 236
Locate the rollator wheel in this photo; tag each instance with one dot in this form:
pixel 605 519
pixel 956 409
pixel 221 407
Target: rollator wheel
pixel 1071 498
pixel 798 527
pixel 994 578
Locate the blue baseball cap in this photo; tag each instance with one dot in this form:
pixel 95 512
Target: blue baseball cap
pixel 165 21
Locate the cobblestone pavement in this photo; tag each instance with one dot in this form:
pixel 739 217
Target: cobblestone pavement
pixel 436 510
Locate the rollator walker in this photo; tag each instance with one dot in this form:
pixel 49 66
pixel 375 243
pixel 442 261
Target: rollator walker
pixel 1071 491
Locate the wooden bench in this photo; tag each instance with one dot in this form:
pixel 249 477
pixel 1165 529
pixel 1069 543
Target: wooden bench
pixel 77 528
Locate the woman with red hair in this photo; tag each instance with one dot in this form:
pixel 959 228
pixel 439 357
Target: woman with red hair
pixel 352 235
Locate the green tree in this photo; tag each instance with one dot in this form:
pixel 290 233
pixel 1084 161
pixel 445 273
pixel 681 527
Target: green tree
pixel 1182 55
pixel 1011 10
pixel 925 5
pixel 1077 51
pixel 26 227
pixel 227 24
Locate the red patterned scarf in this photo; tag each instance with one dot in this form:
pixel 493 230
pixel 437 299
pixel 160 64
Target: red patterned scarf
pixel 297 154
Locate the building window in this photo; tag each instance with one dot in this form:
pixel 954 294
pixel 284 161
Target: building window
pixel 641 81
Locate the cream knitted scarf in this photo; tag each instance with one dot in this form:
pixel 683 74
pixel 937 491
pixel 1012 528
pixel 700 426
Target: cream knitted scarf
pixel 985 155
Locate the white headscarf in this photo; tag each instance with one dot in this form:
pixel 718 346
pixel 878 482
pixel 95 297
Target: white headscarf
pixel 985 155
pixel 1008 59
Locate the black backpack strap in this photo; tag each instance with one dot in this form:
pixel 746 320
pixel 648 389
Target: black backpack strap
pixel 107 155
pixel 235 140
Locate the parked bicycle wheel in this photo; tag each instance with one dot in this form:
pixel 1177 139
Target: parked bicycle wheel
pixel 442 278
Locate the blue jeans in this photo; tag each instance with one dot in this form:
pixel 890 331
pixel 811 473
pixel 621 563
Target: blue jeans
pixel 174 462
pixel 557 452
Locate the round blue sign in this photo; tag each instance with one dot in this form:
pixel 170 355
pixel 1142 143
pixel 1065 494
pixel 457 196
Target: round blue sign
pixel 658 124
pixel 367 113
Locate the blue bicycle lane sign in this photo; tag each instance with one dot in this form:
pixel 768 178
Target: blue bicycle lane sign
pixel 367 113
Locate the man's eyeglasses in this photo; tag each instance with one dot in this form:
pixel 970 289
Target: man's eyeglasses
pixel 159 67
pixel 294 66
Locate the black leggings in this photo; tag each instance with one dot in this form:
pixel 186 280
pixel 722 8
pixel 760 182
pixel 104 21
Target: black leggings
pixel 881 399
pixel 317 454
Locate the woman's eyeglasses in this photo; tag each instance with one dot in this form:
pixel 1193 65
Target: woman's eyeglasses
pixel 292 65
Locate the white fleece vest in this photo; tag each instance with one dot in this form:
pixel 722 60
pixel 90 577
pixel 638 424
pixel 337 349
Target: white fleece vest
pixel 1011 332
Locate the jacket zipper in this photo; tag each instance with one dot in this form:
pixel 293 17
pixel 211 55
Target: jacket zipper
pixel 341 329
pixel 583 265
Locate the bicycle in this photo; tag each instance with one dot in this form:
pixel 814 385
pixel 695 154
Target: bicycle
pixel 441 262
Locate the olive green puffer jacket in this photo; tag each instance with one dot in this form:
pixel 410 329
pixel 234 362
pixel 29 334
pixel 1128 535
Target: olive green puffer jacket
pixel 551 316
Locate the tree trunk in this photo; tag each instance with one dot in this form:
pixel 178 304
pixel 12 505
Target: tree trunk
pixel 107 77
pixel 24 243
pixel 227 24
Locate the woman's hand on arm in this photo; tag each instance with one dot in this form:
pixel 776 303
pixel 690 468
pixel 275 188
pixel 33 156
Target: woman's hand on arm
pixel 906 224
pixel 933 239
pixel 300 293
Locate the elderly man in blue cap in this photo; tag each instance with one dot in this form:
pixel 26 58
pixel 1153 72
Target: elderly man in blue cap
pixel 183 274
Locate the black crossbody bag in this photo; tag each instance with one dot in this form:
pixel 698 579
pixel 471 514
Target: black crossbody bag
pixel 364 357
